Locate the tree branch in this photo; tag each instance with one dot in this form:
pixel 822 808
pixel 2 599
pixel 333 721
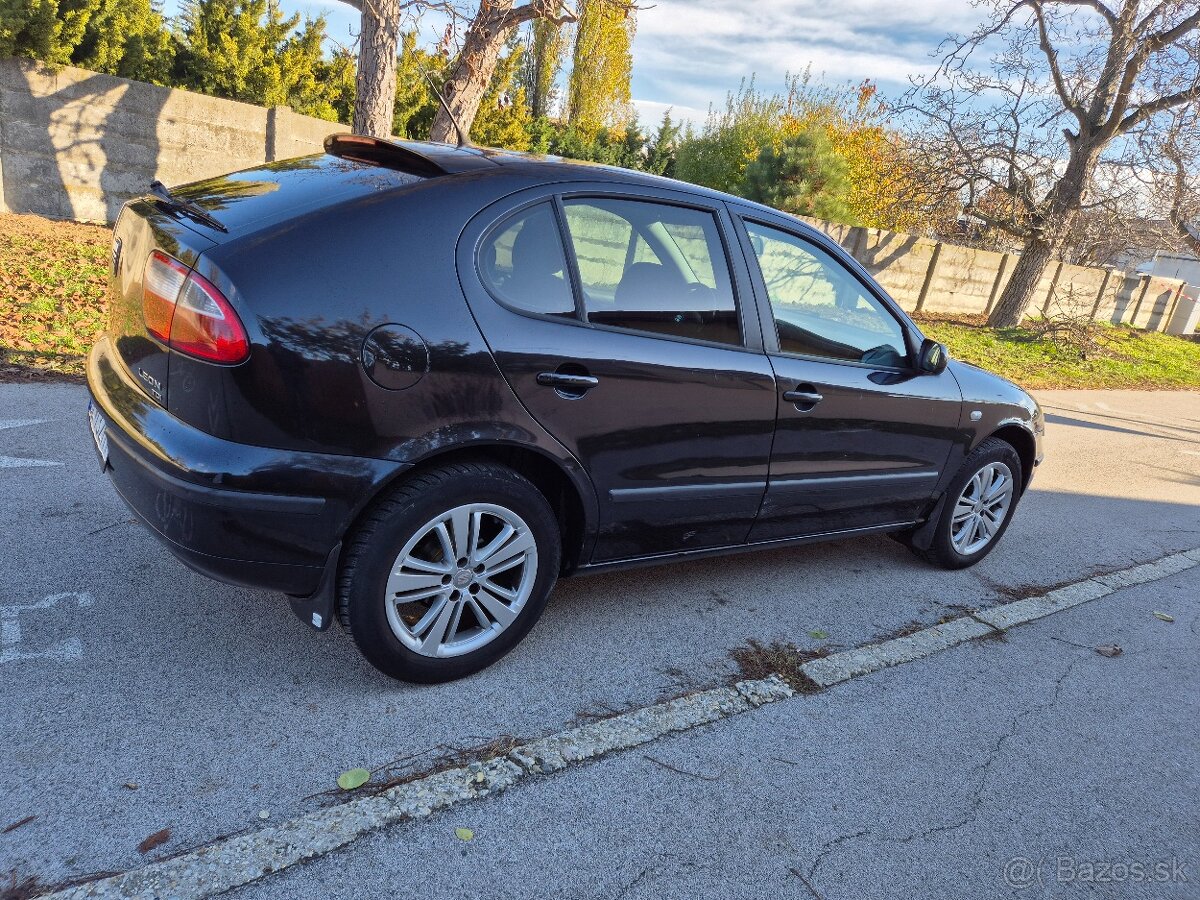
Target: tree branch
pixel 1170 35
pixel 1159 104
pixel 1060 85
pixel 1095 5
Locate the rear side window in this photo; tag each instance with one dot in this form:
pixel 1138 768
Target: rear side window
pixel 653 267
pixel 521 262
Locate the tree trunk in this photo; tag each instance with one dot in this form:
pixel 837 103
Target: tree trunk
pixel 375 94
pixel 472 72
pixel 1058 213
pixel 1018 293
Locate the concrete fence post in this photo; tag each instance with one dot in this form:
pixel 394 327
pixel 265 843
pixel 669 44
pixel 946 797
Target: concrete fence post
pixel 991 302
pixel 1137 307
pixel 1170 312
pixel 859 243
pixel 1050 292
pixel 933 261
pixel 1100 294
pixel 271 149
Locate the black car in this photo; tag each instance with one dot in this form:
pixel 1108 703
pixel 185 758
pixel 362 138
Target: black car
pixel 411 385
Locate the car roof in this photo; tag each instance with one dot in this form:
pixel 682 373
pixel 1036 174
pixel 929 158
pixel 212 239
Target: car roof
pixel 452 160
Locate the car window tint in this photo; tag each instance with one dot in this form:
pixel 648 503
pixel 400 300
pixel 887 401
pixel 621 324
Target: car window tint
pixel 653 267
pixel 820 308
pixel 522 263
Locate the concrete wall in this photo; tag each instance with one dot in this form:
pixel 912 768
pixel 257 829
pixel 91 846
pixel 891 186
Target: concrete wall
pixel 933 276
pixel 76 145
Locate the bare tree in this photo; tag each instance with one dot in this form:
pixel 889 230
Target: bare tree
pixel 1179 188
pixel 1066 82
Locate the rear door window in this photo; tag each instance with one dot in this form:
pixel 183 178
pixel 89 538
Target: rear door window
pixel 653 267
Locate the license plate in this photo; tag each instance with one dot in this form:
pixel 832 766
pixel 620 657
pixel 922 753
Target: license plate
pixel 99 433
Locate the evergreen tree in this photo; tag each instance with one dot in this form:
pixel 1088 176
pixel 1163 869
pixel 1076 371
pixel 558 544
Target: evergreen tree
pixel 804 177
pixel 46 30
pixel 128 38
pixel 246 50
pixel 661 148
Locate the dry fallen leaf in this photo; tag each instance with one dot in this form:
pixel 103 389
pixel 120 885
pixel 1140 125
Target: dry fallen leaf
pixel 464 834
pixel 155 840
pixel 1110 650
pixel 1163 616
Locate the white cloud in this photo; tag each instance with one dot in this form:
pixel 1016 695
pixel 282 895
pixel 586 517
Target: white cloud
pixel 650 113
pixel 691 52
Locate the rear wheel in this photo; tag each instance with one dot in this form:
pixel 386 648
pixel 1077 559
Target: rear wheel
pixel 980 504
pixel 449 572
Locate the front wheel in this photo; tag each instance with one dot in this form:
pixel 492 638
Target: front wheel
pixel 449 572
pixel 980 503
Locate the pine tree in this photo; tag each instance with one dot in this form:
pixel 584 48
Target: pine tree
pixel 804 176
pixel 660 149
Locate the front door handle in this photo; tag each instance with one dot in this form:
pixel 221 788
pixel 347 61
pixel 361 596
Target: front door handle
pixel 570 382
pixel 805 396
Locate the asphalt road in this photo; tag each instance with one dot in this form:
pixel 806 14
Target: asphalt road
pixel 1032 767
pixel 216 704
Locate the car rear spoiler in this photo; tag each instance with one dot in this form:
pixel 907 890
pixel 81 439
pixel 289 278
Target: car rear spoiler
pixel 378 152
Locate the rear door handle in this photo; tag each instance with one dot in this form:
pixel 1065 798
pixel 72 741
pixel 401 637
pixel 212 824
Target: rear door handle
pixel 570 382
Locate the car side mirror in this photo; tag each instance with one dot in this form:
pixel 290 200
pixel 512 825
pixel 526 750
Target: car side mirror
pixel 933 357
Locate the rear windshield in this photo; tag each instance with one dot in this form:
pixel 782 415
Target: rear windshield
pixel 244 198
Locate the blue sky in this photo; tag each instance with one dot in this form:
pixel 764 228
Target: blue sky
pixel 689 53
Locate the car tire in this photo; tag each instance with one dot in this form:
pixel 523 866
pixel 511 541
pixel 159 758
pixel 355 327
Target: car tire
pixel 954 545
pixel 431 563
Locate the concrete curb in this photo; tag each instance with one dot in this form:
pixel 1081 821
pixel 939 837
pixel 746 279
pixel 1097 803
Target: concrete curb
pixel 233 862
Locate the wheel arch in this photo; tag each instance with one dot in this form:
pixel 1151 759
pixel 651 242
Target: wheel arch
pixel 1022 440
pixel 566 495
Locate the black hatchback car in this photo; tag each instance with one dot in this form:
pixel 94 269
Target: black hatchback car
pixel 411 385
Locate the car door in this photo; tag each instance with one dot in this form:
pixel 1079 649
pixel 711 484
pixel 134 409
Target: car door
pixel 861 436
pixel 617 320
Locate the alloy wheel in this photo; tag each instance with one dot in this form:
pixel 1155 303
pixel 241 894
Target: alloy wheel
pixel 981 508
pixel 462 579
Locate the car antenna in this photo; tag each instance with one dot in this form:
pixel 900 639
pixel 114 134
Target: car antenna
pixel 463 140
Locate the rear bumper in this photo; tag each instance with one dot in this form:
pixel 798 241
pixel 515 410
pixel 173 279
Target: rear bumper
pixel 252 516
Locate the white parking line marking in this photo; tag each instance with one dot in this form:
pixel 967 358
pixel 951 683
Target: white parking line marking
pixel 231 862
pixel 10 631
pixel 20 423
pixel 13 462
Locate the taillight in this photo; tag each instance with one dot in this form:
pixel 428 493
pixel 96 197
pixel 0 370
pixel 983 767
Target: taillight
pixel 161 284
pixel 189 314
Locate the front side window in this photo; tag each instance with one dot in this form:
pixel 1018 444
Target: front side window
pixel 654 268
pixel 820 308
pixel 522 263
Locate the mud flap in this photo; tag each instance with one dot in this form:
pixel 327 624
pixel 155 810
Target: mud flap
pixel 921 537
pixel 316 609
